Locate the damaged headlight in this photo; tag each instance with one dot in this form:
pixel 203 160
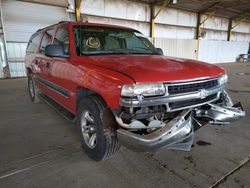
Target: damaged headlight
pixel 143 89
pixel 223 79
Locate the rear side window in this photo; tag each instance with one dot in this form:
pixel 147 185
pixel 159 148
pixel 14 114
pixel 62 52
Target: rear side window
pixel 46 40
pixel 62 37
pixel 33 43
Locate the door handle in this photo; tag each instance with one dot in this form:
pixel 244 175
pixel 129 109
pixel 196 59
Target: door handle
pixel 47 64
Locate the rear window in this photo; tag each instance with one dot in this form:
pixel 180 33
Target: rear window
pixel 33 43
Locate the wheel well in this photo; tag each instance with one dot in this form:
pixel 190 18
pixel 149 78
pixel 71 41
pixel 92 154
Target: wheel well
pixel 82 92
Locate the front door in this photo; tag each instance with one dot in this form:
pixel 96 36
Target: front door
pixel 61 72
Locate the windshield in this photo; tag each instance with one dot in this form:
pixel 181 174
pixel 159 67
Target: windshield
pixel 91 40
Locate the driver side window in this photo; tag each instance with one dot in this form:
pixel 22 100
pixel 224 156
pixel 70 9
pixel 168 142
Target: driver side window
pixel 62 37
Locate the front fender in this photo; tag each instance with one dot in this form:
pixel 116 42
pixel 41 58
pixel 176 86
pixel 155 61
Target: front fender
pixel 107 83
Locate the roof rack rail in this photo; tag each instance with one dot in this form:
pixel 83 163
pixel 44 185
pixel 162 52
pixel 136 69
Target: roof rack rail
pixel 64 22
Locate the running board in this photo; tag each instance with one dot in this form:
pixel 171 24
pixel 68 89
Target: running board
pixel 58 108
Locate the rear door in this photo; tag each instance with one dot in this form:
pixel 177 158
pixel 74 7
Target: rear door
pixel 44 61
pixel 31 59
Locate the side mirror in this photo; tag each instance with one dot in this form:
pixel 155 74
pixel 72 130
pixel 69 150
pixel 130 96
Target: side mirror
pixel 159 51
pixel 55 50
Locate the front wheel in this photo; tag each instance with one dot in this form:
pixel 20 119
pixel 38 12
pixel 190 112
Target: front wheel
pixel 96 123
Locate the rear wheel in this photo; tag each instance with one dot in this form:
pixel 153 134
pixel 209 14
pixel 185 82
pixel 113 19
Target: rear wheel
pixel 97 128
pixel 33 91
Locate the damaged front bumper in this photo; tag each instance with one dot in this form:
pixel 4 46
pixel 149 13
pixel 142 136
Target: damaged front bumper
pixel 176 132
pixel 179 132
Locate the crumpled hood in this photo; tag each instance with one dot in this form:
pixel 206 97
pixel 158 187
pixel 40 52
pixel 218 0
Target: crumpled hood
pixel 156 68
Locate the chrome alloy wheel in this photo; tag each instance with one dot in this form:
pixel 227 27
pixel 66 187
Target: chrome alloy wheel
pixel 31 88
pixel 88 128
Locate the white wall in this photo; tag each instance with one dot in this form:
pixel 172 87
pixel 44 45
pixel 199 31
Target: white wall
pixel 2 56
pixel 170 23
pixel 1 67
pixel 221 51
pixel 21 20
pixel 16 53
pixel 209 51
pixel 141 26
pixel 183 48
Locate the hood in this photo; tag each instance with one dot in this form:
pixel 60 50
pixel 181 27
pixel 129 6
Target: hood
pixel 156 68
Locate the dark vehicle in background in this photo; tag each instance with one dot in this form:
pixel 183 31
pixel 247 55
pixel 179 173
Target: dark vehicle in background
pixel 243 58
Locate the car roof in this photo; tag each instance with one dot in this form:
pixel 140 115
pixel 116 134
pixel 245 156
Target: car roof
pixel 100 25
pixel 85 24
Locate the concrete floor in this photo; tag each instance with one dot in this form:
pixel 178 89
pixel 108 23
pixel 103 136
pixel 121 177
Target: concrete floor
pixel 38 148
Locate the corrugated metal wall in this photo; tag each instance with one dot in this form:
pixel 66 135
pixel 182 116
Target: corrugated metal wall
pixel 210 51
pixel 1 66
pixel 221 51
pixel 2 58
pixel 174 29
pixel 21 20
pixel 16 53
pixel 183 48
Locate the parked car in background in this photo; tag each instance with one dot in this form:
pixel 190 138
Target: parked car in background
pixel 243 58
pixel 119 88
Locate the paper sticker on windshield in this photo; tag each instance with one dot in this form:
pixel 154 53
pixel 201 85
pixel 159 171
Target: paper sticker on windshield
pixel 93 42
pixel 139 34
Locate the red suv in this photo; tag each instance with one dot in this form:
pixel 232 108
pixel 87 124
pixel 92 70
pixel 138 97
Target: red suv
pixel 119 88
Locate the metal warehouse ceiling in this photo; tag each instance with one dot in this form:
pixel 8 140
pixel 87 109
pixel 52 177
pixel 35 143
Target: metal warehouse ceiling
pixel 224 8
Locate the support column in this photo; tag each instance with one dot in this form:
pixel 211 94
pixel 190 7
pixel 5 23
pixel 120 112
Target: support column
pixel 229 31
pixel 152 22
pixel 77 10
pixel 197 33
pixel 153 16
pixel 198 30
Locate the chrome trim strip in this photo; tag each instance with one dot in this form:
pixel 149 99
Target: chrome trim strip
pixel 190 82
pixel 195 105
pixel 54 87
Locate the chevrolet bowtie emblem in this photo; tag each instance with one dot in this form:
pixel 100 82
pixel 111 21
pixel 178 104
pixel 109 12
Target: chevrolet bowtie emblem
pixel 203 93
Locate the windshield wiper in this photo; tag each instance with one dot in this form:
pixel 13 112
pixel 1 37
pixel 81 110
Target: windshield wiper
pixel 103 53
pixel 143 53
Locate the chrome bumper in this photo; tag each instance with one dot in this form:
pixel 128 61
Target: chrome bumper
pixel 177 134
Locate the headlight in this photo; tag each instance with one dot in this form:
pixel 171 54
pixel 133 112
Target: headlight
pixel 143 89
pixel 223 79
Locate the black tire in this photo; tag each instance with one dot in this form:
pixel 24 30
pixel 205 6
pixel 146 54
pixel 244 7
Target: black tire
pixel 103 126
pixel 33 91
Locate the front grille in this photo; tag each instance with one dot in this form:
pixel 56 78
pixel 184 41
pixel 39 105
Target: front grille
pixel 186 88
pixel 192 102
